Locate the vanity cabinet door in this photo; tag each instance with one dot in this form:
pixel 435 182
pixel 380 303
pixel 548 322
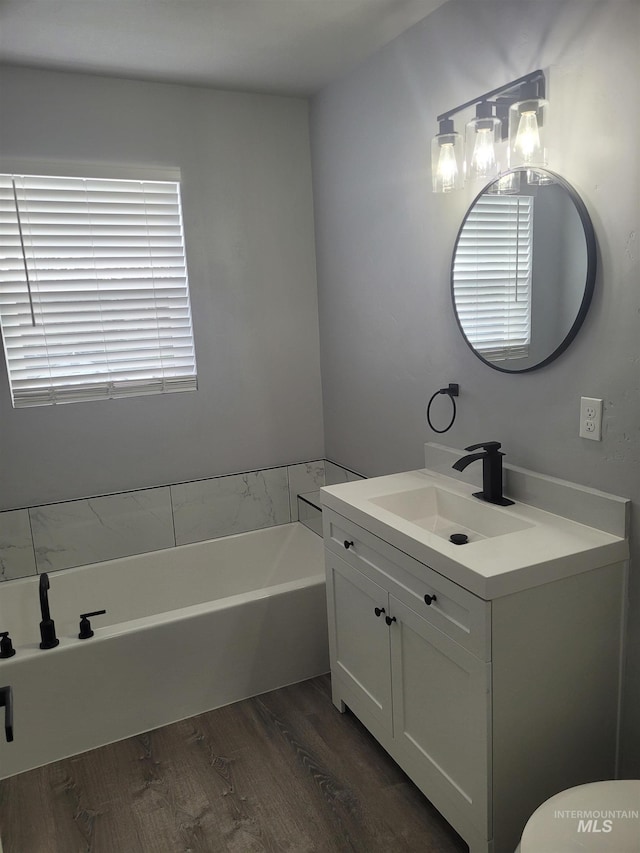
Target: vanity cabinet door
pixel 441 706
pixel 359 639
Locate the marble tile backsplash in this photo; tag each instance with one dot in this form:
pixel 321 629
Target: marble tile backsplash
pixel 90 530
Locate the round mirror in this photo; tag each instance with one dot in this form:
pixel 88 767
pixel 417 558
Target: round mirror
pixel 523 270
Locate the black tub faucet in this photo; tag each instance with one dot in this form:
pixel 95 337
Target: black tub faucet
pixel 491 471
pixel 47 626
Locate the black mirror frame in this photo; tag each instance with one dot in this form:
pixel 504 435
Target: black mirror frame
pixel 591 247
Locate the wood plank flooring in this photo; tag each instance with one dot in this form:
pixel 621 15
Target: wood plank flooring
pixel 281 772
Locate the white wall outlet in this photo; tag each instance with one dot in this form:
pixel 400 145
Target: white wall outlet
pixel 591 418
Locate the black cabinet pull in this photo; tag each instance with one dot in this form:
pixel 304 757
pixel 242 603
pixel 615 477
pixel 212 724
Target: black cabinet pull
pixel 428 599
pixel 390 619
pixel 379 611
pixel 348 544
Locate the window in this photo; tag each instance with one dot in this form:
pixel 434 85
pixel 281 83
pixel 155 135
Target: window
pixel 94 298
pixel 492 276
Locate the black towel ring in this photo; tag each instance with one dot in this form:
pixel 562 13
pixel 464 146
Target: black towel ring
pixel 452 391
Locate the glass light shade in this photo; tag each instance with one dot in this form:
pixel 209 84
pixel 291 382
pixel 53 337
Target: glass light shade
pixel 526 133
pixel 447 162
pixel 508 184
pixel 483 148
pixel 537 178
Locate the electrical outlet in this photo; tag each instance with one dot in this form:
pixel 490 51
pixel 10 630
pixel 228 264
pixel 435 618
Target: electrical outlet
pixel 591 418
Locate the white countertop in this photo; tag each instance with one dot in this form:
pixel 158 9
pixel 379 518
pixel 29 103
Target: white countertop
pixel 549 548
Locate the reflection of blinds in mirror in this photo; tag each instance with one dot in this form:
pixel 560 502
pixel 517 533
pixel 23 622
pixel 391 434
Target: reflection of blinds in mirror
pixel 492 276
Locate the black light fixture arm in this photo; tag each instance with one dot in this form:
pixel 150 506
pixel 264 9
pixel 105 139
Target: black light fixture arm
pixel 509 92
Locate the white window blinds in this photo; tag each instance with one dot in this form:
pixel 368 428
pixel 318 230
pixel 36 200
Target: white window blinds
pixel 492 276
pixel 94 299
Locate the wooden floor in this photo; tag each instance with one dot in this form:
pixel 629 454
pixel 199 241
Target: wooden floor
pixel 281 772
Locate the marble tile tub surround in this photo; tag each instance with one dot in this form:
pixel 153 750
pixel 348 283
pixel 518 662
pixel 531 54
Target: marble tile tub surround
pixel 89 530
pixel 17 558
pixel 207 509
pixel 306 478
pixel 104 528
pixel 335 474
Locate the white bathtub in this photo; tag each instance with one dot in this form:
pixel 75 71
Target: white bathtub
pixel 187 630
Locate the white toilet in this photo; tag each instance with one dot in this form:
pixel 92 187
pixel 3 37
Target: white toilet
pixel 602 817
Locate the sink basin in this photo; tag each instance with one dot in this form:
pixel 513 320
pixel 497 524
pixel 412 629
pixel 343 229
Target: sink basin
pixel 443 513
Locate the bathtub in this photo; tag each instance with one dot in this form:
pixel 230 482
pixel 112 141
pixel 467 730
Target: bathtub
pixel 187 629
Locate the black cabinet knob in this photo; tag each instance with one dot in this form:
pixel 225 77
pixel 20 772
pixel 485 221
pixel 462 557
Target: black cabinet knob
pixel 348 544
pixel 429 599
pixel 390 619
pixel 379 611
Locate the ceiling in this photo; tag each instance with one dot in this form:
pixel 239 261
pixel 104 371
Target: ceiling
pixel 281 46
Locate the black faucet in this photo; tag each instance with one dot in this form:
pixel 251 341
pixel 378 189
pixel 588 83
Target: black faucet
pixel 47 626
pixel 491 471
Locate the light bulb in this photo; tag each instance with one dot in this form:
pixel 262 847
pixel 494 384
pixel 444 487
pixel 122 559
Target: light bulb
pixel 447 167
pixel 483 160
pixel 527 128
pixel 447 157
pixel 527 142
pixel 482 134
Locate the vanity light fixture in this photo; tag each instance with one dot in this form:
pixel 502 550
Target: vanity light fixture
pixel 513 112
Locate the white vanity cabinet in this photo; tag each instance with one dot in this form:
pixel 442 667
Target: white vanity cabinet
pixel 489 706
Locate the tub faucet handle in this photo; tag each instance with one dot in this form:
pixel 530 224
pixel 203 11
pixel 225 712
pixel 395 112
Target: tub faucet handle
pixel 6 699
pixel 6 646
pixel 85 625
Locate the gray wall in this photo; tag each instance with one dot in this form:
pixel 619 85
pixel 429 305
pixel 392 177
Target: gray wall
pixel 384 242
pixel 248 220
